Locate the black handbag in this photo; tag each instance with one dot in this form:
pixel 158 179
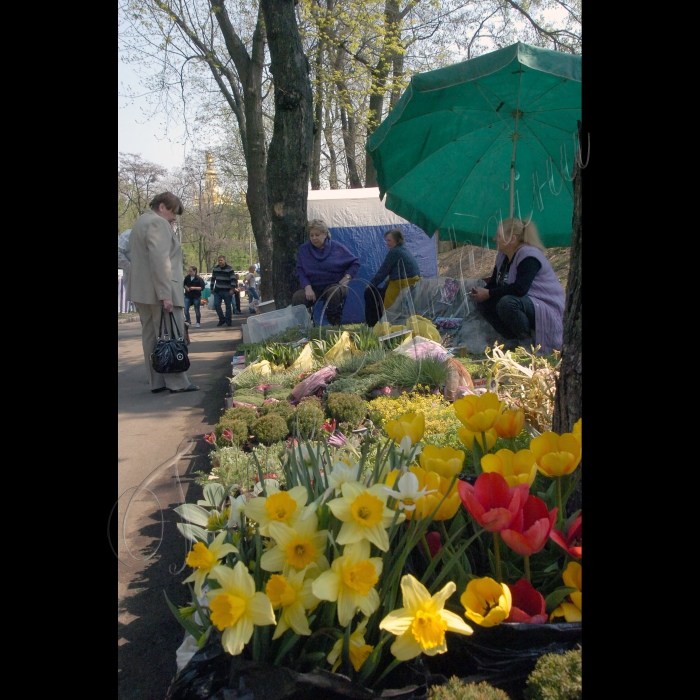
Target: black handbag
pixel 170 353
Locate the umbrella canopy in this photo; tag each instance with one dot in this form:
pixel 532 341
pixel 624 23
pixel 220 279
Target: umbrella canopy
pixel 473 143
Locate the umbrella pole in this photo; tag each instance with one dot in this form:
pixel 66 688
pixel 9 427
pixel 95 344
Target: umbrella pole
pixel 512 163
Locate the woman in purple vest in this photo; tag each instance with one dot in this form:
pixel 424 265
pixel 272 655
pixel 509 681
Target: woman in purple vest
pixel 524 297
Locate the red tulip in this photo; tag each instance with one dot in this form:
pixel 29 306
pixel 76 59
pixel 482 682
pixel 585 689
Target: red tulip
pixel 490 502
pixel 227 434
pixel 529 531
pixel 329 426
pixel 528 604
pixel 434 543
pixel 571 540
pixel 211 438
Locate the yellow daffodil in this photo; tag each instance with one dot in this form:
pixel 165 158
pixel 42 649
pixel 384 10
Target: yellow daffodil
pixel 411 425
pixel 203 559
pixel 556 455
pixel 236 608
pixel 515 467
pixel 281 507
pixel 445 461
pixel 359 651
pixel 479 413
pixel 467 437
pixel 486 601
pixel 571 611
pixel 364 514
pixel 351 581
pixel 294 596
pixel 295 547
pixel 511 423
pixel 421 623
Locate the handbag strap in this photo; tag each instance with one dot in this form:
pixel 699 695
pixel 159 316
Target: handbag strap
pixel 173 323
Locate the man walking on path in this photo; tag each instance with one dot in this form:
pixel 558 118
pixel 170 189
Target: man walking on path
pixel 223 288
pixel 155 283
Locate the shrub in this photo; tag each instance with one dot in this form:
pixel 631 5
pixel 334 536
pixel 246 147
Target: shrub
pixel 354 385
pixel 556 677
pixel 432 372
pixel 306 420
pixel 281 393
pixel 256 398
pixel 270 428
pixel 455 689
pixel 281 408
pixel 240 413
pixel 346 408
pixel 239 428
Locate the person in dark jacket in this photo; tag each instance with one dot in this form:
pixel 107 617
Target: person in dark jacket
pixel 324 269
pixel 224 284
pixel 399 268
pixel 193 294
pixel 524 296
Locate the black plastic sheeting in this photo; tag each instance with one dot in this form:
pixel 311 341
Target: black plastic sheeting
pixel 504 656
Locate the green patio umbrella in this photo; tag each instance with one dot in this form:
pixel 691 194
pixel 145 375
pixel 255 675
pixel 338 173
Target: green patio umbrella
pixel 473 143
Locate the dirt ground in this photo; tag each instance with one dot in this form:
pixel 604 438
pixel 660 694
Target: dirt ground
pixel 473 261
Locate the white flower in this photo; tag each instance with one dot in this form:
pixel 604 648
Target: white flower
pixel 408 492
pixel 340 473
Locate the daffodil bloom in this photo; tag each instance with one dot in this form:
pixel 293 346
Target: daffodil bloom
pixel 218 521
pixel 479 413
pixel 295 547
pixel 571 612
pixel 364 514
pixel 270 485
pixel 408 492
pixel 340 473
pixel 445 461
pixel 436 488
pixel 236 608
pixel 421 623
pixel 294 596
pixel 515 467
pixel 556 455
pixel 486 602
pixel 351 581
pixel 280 507
pixel 411 425
pixel 511 423
pixel 467 437
pixel 203 559
pixel 359 651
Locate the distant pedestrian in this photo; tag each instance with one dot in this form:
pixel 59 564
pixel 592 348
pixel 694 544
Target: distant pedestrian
pixel 194 286
pixel 251 285
pixel 156 282
pixel 235 285
pixel 223 287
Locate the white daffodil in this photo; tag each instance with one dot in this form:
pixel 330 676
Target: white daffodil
pixel 408 492
pixel 270 485
pixel 236 608
pixel 238 505
pixel 280 507
pixel 340 473
pixel 204 559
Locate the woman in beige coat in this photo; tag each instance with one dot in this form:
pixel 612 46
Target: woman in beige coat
pixel 155 282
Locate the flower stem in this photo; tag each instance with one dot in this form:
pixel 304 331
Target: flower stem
pixel 527 568
pixel 497 555
pixel 560 514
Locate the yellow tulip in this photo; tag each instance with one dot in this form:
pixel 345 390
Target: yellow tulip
pixel 409 424
pixel 556 455
pixel 511 423
pixel 571 611
pixel 479 413
pixel 516 468
pixel 445 461
pixel 577 427
pixel 467 438
pixel 486 601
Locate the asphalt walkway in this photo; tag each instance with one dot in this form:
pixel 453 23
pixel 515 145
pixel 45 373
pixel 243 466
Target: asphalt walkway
pixel 160 447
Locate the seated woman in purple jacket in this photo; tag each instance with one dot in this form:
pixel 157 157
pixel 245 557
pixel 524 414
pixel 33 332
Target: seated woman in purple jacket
pixel 324 268
pixel 524 296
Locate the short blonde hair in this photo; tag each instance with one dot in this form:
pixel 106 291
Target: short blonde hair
pixel 524 231
pixel 319 225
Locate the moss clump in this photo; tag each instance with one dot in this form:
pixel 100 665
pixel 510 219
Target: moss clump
pixel 243 413
pixel 270 428
pixel 281 408
pixel 281 393
pixel 251 396
pixel 307 420
pixel 556 677
pixel 455 689
pixel 240 431
pixel 346 408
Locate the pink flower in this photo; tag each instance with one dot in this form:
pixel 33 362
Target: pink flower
pixel 227 435
pixel 571 539
pixel 337 440
pixel 490 502
pixel 211 438
pixel 529 531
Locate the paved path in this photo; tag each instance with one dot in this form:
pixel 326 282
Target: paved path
pixel 160 446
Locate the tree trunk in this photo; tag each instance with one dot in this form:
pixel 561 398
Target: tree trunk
pixel 567 403
pixel 348 128
pixel 332 160
pixel 318 120
pixel 289 155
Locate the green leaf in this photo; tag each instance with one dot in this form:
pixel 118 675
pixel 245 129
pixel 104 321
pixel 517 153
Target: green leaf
pixel 190 626
pixel 193 533
pixel 554 599
pixel 193 514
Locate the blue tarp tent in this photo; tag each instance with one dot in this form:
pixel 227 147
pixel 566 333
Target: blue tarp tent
pixel 358 219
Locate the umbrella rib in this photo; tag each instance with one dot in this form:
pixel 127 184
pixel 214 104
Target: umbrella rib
pixel 495 109
pixel 546 151
pixel 541 95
